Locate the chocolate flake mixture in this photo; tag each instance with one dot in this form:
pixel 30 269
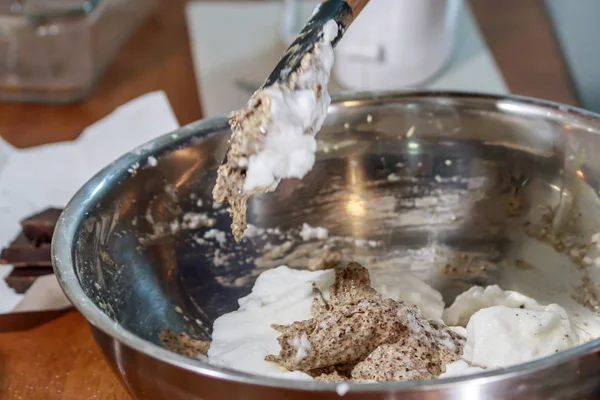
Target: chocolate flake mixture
pixel 359 335
pixel 248 136
pixel 182 343
pixel 250 127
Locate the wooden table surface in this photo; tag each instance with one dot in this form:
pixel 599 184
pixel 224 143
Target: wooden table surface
pixel 59 360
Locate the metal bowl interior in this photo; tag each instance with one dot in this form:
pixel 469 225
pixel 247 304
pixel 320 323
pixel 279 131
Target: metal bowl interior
pixel 450 184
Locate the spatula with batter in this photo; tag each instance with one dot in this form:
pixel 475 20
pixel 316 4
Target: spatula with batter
pixel 273 135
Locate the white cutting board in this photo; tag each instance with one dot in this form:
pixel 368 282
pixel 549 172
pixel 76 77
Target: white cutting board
pixel 237 44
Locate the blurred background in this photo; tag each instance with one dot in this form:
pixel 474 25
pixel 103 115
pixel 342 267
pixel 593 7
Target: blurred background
pixel 67 63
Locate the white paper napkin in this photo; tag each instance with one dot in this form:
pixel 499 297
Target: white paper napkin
pixel 8 298
pixel 49 175
pixel 44 294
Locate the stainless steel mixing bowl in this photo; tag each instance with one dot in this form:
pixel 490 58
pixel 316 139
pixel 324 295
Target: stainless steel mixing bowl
pixel 451 184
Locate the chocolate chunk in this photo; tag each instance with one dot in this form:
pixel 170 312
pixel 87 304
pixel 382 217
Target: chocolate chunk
pixel 23 252
pixel 39 227
pixel 32 246
pixel 20 279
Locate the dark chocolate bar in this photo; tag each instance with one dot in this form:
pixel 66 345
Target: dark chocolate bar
pixel 30 251
pixel 39 227
pixel 22 253
pixel 32 247
pixel 21 279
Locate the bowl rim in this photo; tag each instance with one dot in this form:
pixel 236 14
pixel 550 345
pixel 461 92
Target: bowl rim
pixel 65 238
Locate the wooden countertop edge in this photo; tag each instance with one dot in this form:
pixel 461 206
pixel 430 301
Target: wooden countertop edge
pixel 521 38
